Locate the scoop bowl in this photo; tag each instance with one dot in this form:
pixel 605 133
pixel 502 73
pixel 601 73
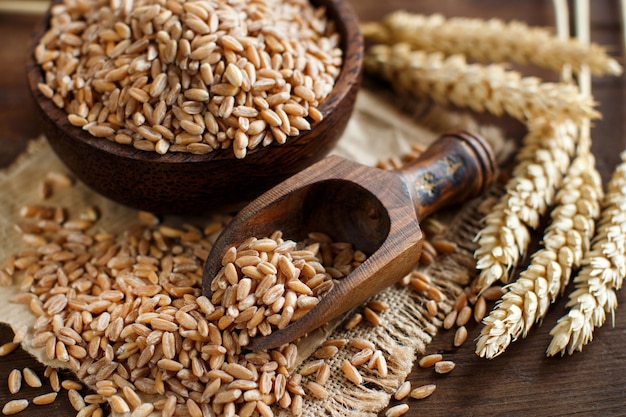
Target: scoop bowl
pixel 377 211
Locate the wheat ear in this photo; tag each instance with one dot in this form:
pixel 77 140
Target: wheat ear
pixel 492 88
pixel 490 40
pixel 565 240
pixel 603 269
pixel 543 160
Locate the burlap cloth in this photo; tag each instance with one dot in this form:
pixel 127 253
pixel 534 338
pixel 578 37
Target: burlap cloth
pixel 378 129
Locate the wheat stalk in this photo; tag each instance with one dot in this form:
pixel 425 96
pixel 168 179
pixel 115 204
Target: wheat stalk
pixel 603 269
pixel 543 160
pixel 566 239
pixel 490 40
pixel 492 88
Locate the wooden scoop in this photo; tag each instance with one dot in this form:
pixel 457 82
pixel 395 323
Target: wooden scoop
pixel 377 211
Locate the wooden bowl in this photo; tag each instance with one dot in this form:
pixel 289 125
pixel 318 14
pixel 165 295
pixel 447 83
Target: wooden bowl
pixel 188 184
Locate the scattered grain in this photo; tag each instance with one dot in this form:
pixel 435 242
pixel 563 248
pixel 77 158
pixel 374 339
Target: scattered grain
pixel 444 367
pixel 377 305
pixel 422 392
pixel 7 348
pixel 70 384
pixel 480 309
pixel 31 378
pixel 15 381
pixel 323 374
pixel 144 410
pixel 464 316
pixel 371 316
pixel 76 400
pixel 317 390
pixel 351 372
pixel 435 294
pixel 54 381
pixel 443 246
pixel 493 293
pixel 59 179
pixel 45 399
pixel 362 356
pixel 353 321
pixel 431 308
pixel 450 319
pixel 21 331
pixel 397 410
pixel 460 336
pixel 403 391
pixel 14 407
pixel 326 352
pixel 430 360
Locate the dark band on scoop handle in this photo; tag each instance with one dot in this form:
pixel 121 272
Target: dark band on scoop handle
pixel 456 167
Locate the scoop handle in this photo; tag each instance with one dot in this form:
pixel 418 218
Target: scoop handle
pixel 456 167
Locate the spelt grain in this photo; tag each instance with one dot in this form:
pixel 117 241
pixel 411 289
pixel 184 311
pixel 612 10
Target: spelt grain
pixel 70 384
pixel 54 381
pixel 362 356
pixel 403 391
pixel 444 367
pixel 450 319
pixel 397 410
pixel 460 336
pixel 480 308
pixel 14 407
pixel 8 347
pixel 431 308
pixel 351 372
pixel 375 305
pixel 423 391
pixel 31 378
pixel 76 400
pixel 118 404
pixel 323 374
pixel 317 390
pixel 15 381
pixel 430 360
pixel 464 316
pixel 45 399
pixel 372 317
pixel 493 293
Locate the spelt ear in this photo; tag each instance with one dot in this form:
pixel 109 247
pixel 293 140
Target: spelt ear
pixel 541 163
pixel 491 40
pixel 602 273
pixel 481 88
pixel 570 231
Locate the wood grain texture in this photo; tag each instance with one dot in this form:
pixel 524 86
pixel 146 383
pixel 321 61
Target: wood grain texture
pixel 184 183
pixel 522 382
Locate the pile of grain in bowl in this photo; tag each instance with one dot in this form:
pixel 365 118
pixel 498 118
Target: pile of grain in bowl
pixel 190 76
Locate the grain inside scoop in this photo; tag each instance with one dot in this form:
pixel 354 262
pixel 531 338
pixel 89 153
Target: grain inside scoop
pixel 376 210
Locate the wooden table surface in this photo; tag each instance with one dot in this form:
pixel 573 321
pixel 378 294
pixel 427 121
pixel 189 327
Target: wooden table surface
pixel 521 382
